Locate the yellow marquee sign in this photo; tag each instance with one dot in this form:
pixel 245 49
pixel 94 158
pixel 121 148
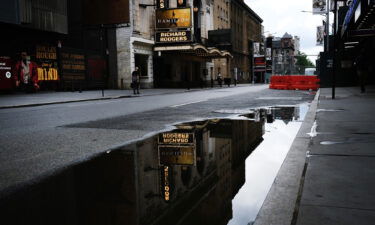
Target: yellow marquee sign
pixel 173 36
pixel 173 18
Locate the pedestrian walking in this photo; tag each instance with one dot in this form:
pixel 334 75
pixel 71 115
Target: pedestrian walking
pixel 26 74
pixel 362 69
pixel 235 76
pixel 135 80
pixel 219 79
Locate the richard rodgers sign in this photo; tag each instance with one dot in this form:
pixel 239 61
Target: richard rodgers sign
pixel 171 36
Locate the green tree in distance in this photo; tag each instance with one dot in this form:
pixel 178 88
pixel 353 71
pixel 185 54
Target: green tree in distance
pixel 303 62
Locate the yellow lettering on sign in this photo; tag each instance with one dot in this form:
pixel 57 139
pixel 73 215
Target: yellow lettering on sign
pixel 50 74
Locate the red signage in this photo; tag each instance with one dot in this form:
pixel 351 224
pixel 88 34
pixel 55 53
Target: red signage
pixel 260 61
pixel 6 75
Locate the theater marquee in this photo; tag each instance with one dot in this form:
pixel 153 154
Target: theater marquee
pixel 176 148
pixel 173 18
pixel 173 37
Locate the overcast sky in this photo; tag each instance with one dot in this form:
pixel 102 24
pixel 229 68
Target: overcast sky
pixel 280 16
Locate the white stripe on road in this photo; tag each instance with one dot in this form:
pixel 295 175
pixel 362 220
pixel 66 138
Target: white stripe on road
pixel 175 106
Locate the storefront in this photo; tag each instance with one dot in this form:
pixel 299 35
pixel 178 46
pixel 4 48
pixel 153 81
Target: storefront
pixel 185 65
pixel 180 59
pixel 259 69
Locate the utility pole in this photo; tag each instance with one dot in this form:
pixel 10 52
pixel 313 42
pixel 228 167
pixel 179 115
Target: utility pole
pixel 335 44
pixel 327 27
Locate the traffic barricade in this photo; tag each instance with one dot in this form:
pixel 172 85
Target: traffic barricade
pixel 304 83
pixel 279 82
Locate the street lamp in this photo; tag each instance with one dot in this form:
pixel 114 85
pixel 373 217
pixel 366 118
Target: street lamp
pixel 327 44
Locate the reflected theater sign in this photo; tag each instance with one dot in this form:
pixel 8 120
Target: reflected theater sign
pixel 175 148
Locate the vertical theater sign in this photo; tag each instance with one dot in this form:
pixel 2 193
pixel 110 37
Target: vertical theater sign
pixel 174 148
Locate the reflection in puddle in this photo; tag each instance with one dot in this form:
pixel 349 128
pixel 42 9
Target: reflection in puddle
pixel 217 171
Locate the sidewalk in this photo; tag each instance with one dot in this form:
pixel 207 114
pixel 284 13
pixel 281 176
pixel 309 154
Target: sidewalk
pixel 46 98
pixel 328 175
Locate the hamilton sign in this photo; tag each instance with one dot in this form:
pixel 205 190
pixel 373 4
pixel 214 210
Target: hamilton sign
pixel 173 18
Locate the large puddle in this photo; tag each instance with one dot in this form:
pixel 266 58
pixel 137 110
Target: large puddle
pixel 217 171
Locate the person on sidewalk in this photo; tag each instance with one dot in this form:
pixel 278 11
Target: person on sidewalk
pixel 26 78
pixel 219 79
pixel 235 77
pixel 135 80
pixel 362 69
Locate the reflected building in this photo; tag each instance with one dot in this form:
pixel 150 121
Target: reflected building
pixel 185 176
pixel 286 113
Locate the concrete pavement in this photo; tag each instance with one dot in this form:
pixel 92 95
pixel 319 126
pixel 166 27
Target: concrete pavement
pixel 47 98
pixel 328 175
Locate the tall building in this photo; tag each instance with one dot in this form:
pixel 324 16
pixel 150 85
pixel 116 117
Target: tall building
pixel 283 51
pixel 237 36
pixel 246 30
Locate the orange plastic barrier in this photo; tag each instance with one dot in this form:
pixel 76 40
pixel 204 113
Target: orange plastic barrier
pixel 279 82
pixel 294 82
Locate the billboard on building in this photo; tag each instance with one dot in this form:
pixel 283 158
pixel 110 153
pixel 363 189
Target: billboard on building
pixel 319 35
pixel 106 12
pixel 319 7
pixel 259 64
pixel 268 54
pixel 256 48
pixel 46 58
pixel 72 63
pixel 173 18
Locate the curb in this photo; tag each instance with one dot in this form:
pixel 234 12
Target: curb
pixel 281 204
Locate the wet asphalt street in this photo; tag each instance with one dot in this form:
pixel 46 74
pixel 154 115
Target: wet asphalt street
pixel 39 141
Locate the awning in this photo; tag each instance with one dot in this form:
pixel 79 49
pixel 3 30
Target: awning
pixel 196 50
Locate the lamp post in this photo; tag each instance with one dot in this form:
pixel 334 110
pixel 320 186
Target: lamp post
pixel 332 63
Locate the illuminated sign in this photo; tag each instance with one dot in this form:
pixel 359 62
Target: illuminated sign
pixel 162 4
pixel 174 138
pixel 173 37
pixel 46 58
pixel 166 187
pixel 46 52
pixel 173 18
pixel 181 3
pixel 176 155
pixel 176 148
pixel 47 73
